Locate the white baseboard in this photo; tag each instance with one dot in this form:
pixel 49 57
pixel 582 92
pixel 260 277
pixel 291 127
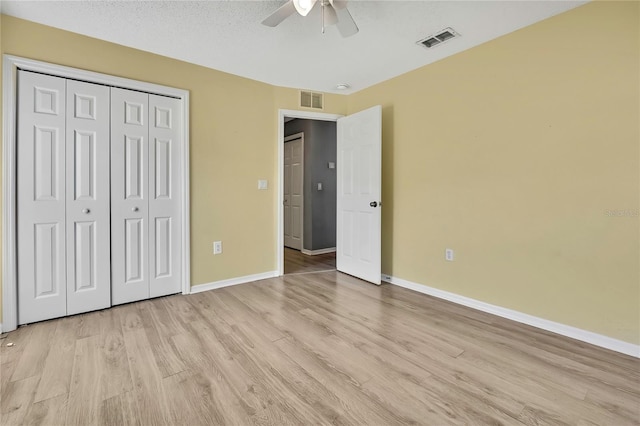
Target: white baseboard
pixel 0 328
pixel 554 327
pixel 233 281
pixel 319 251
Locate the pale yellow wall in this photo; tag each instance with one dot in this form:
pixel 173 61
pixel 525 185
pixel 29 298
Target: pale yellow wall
pixel 511 153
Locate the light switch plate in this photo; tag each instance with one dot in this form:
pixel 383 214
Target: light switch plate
pixel 263 184
pixel 448 255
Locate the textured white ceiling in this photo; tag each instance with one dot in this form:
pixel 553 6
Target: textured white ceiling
pixel 228 36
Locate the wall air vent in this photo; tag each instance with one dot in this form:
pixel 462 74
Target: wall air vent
pixel 311 99
pixel 439 38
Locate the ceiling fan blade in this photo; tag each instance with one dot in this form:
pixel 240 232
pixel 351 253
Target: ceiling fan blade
pixel 282 13
pixel 338 4
pixel 346 25
pixel 330 15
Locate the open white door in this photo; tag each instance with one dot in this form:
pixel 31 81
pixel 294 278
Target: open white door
pixel 358 243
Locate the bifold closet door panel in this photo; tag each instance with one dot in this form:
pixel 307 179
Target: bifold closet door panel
pixel 129 196
pixel 164 195
pixel 88 221
pixel 41 197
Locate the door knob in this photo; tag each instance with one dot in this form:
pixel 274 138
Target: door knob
pixel 373 204
pixel 86 211
pixel 135 209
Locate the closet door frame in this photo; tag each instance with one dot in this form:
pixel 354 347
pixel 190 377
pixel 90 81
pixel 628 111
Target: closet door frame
pixel 11 65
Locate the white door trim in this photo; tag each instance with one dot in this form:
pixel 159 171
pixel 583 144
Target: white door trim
pixel 282 113
pixel 9 79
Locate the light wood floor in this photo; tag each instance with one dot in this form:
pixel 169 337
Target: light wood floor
pixel 295 262
pixel 320 348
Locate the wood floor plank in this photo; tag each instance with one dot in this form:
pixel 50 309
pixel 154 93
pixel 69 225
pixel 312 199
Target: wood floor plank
pixel 204 352
pixel 342 385
pixel 110 412
pixel 35 351
pixel 84 391
pixel 617 402
pixel 115 375
pixel 163 350
pixel 227 307
pixel 129 315
pixel 195 401
pixel 56 374
pixel 12 346
pixel 149 394
pixel 48 412
pixel 120 410
pixel 314 348
pixel 290 384
pixel 6 370
pixel 17 399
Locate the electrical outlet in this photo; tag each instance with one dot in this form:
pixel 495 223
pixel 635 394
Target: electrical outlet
pixel 217 247
pixel 448 255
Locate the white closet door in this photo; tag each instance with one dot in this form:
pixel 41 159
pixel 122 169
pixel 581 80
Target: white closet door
pixel 164 196
pixel 41 197
pixel 129 196
pixel 87 177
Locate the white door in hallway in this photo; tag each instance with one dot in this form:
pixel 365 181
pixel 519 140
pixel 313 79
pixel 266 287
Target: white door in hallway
pixel 129 195
pixel 293 193
pixel 359 163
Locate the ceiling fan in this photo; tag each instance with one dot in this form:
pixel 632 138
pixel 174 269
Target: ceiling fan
pixel 333 12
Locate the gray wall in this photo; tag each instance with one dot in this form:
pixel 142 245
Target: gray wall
pixel 319 206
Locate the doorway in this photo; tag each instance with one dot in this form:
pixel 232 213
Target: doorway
pixel 358 190
pixel 311 185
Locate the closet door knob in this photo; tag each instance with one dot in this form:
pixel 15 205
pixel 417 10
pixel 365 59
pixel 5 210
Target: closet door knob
pixel 86 211
pixel 135 209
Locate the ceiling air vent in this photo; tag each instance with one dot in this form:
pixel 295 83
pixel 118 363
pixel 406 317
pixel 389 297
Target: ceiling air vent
pixel 439 38
pixel 311 99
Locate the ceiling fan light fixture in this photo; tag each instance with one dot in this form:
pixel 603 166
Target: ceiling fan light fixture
pixel 303 7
